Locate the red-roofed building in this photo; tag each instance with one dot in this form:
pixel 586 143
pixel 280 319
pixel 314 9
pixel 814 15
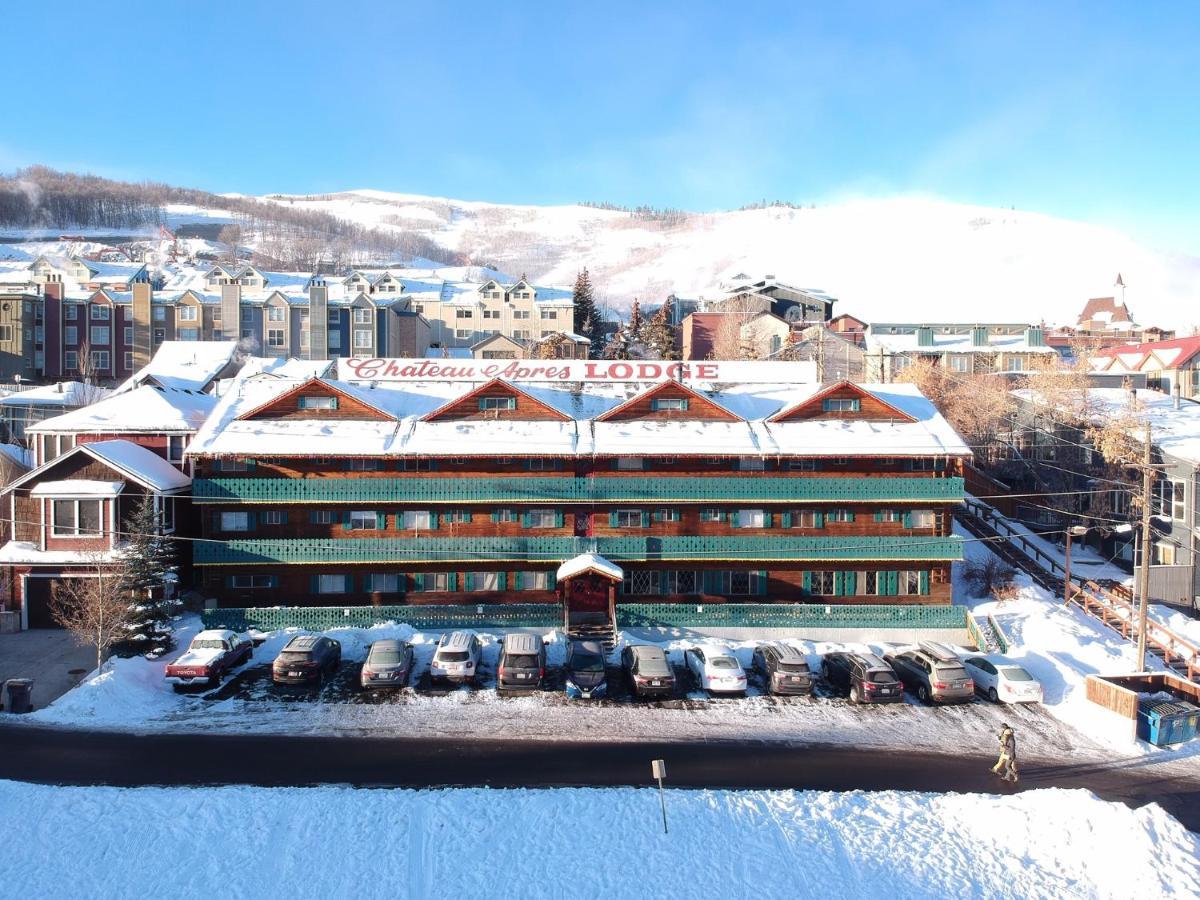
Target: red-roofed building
pixel 1169 366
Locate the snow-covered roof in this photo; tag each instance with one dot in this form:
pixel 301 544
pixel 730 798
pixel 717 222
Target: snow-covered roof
pixel 184 365
pixel 26 553
pixel 22 456
pixel 952 343
pixel 64 393
pixel 138 463
pixel 157 410
pixel 589 562
pixel 79 487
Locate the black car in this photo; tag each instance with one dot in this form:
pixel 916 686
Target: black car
pixel 522 663
pixel 584 672
pixel 866 677
pixel 306 659
pixel 783 669
pixel 647 671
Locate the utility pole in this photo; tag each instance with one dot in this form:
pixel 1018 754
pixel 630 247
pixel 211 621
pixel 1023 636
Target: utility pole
pixel 1072 531
pixel 1143 582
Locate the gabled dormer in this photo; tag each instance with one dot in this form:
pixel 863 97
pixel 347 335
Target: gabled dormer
pixel 496 400
pixel 666 401
pixel 522 290
pixel 845 401
pixel 491 290
pixel 318 399
pixel 387 284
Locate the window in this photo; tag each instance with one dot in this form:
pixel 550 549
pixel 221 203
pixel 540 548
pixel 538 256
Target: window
pixel 364 520
pixel 6 333
pixel 924 464
pixel 1171 493
pixel 1016 364
pixel 417 520
pixel 334 317
pixel 275 313
pixel 235 521
pixel 415 465
pixel 127 333
pixel 710 514
pixel 128 361
pixel 505 515
pixel 908 583
pixel 335 340
pixel 751 464
pixel 311 401
pixel 483 581
pixel 463 333
pixel 887 515
pixel 666 515
pixel 99 360
pixel 321 516
pixel 521 314
pixel 160 335
pixel 188 313
pixel 70 334
pixel 457 516
pixel 835 404
pixel 75 518
pixel 549 314
pixel 71 312
pixel 804 518
pixel 922 518
pixel 362 316
pixel 629 518
pixel 99 334
pixel 101 313
pixel 543 518
pixel 960 364
pixel 363 339
pixel 274 337
pixel 735 582
pixel 491 313
pixel 1162 553
pixel 669 404
pixel 332 584
pixel 252 581
pixel 497 402
pixel 362 465
pixel 381 583
pixel 71 360
pixel 840 515
pixel 462 314
pixel 750 518
pixel 273 517
pixel 532 581
pixel 189 334
pixel 232 465
pixel 541 464
pixel 167 514
pixel 247 314
pixel 804 465
pixel 631 463
pixel 159 314
pixel 521 335
pixel 820 582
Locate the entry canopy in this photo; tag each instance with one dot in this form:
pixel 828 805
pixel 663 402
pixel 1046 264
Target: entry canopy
pixel 590 562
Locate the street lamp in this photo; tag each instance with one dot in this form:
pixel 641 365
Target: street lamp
pixel 1072 531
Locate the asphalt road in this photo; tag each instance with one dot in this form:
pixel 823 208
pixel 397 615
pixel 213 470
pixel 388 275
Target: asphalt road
pixel 63 756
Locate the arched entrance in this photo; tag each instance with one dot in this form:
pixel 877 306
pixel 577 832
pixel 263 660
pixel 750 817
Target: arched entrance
pixel 587 587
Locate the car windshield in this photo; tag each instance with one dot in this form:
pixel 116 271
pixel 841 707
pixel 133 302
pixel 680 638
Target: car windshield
pixel 652 665
pixel 208 645
pixel 952 674
pixel 584 661
pixel 1016 673
pixel 385 657
pixel 723 662
pixel 293 657
pixel 793 667
pixel 878 676
pixel 452 655
pixel 522 661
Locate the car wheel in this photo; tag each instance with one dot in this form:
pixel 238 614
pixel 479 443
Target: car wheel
pixel 854 694
pixel 215 680
pixel 993 696
pixel 923 694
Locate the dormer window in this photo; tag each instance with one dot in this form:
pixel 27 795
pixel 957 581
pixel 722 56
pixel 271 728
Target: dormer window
pixel 669 404
pixel 488 403
pixel 75 518
pixel 842 404
pixel 315 402
pixel 188 313
pixel 362 316
pixel 101 313
pixel 274 313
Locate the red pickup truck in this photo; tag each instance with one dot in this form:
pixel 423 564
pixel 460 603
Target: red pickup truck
pixel 211 655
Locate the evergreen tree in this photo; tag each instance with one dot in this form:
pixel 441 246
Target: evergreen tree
pixel 659 334
pixel 618 345
pixel 149 557
pixel 636 322
pixel 587 319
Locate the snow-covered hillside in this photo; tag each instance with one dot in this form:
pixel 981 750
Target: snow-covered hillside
pixel 895 259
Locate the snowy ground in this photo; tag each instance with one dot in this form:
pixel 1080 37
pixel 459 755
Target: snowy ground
pixel 585 843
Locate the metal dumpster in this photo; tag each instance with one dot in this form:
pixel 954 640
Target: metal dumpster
pixel 1167 722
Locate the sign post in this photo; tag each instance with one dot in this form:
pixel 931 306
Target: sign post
pixel 658 768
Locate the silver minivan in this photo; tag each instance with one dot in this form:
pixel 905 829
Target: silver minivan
pixel 456 658
pixel 522 662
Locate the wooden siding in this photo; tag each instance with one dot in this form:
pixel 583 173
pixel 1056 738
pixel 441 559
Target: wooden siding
pixel 700 408
pixel 871 407
pixel 527 409
pixel 288 406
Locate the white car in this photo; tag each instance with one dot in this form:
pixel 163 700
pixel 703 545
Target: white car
pixel 715 670
pixel 457 658
pixel 1002 681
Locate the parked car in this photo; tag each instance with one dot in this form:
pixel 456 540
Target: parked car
pixel 934 673
pixel 647 671
pixel 306 659
pixel 783 668
pixel 522 662
pixel 456 658
pixel 211 654
pixel 715 670
pixel 866 677
pixel 388 664
pixel 1003 682
pixel 584 674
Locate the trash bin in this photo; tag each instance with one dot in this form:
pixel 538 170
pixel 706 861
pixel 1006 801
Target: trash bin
pixel 18 695
pixel 1172 722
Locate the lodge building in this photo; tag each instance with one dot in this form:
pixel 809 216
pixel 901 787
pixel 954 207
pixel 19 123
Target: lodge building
pixel 745 485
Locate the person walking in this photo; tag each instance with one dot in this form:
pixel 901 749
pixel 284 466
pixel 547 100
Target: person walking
pixel 1006 765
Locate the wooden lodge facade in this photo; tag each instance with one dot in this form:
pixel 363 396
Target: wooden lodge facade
pixel 329 493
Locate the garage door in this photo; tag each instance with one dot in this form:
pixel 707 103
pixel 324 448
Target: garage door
pixel 37 598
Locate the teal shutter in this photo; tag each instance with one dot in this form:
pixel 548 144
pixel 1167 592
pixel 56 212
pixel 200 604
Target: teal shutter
pixel 879 515
pixel 346 520
pixel 502 581
pixel 893 583
pixel 849 583
pixel 808 582
pixel 452 581
pixel 434 520
pixel 470 580
pixel 907 520
pixel 518 581
pixel 923 582
pixel 849 516
pixel 612 519
pixel 837 583
pixel 818 519
pixel 495 515
pixel 381 521
pixel 526 521
pixel 760 586
pixel 785 520
pixel 558 518
pixel 767 519
pixel 645 518
pixel 418 581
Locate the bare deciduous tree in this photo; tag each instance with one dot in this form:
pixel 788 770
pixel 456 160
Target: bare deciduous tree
pixel 94 607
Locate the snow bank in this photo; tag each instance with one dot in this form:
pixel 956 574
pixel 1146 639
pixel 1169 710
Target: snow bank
pixel 586 843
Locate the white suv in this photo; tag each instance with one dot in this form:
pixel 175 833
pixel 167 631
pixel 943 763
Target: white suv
pixel 457 658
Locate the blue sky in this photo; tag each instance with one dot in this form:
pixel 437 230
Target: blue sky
pixel 1085 110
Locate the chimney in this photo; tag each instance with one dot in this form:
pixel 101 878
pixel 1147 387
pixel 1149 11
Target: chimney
pixel 979 336
pixel 143 297
pixel 52 303
pixel 1035 337
pixel 924 336
pixel 231 309
pixel 318 319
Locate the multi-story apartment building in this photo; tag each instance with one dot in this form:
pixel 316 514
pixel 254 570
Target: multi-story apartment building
pixel 1171 366
pixel 959 347
pixel 469 481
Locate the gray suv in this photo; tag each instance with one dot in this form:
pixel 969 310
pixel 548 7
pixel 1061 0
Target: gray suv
pixel 522 662
pixel 783 669
pixel 934 673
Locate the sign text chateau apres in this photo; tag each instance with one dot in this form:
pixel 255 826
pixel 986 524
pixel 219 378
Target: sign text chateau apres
pixel 381 369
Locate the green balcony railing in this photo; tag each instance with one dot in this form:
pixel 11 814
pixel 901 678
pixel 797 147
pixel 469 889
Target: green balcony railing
pixel 568 489
pixel 319 618
pixel 557 549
